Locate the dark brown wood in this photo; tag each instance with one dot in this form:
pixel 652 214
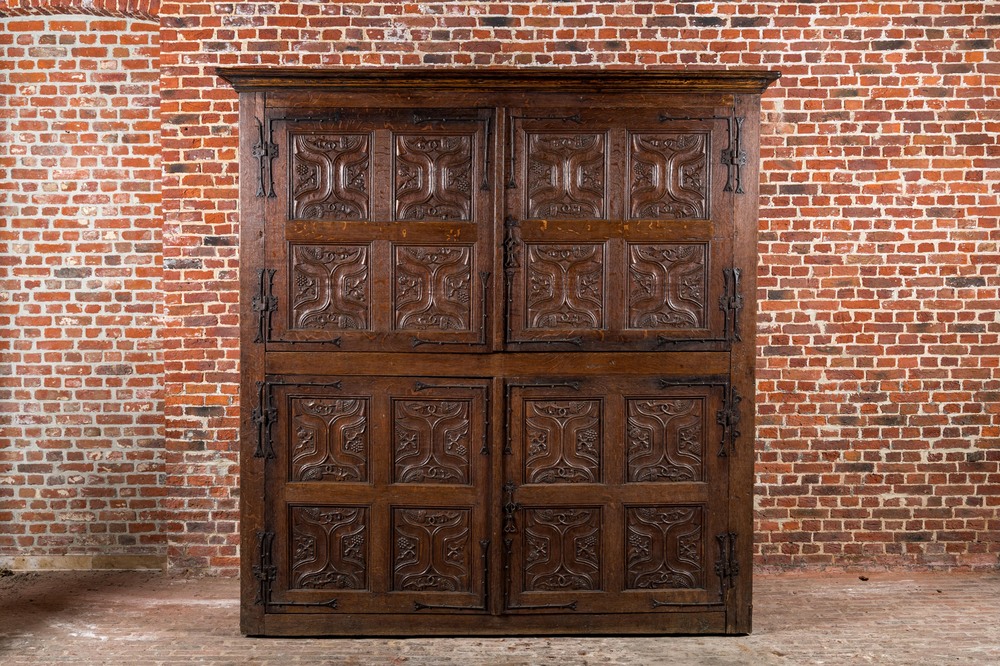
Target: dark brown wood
pixel 497 346
pixel 498 80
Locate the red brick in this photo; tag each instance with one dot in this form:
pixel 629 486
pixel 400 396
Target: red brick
pixel 879 260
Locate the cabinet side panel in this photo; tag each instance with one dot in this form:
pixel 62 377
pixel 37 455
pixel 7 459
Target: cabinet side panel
pixel 251 362
pixel 743 357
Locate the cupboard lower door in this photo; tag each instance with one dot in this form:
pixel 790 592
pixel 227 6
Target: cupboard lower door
pixel 375 495
pixel 614 497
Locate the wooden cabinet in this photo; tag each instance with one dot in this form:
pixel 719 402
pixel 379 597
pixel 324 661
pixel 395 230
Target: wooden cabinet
pixel 497 350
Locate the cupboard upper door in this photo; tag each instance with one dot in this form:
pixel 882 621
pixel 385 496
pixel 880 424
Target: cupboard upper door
pixel 379 230
pixel 619 229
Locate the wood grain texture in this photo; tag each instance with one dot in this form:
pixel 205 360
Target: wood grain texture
pixel 248 79
pixel 500 365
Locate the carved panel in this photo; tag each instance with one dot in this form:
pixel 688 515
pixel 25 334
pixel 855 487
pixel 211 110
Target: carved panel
pixel 329 439
pixel 562 440
pixel 433 177
pixel 329 176
pixel 566 175
pixel 669 179
pixel 565 286
pixel 432 550
pixel 329 547
pixel 329 285
pixel 667 286
pixel 431 441
pixel 432 288
pixel 562 549
pixel 665 439
pixel 664 547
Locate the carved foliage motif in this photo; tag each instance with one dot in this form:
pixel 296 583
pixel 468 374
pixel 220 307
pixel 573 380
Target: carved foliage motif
pixel 665 439
pixel 329 439
pixel 329 285
pixel 329 547
pixel 669 179
pixel 431 550
pixel 562 549
pixel 562 441
pixel 432 288
pixel 667 286
pixel 431 441
pixel 330 176
pixel 664 547
pixel 433 177
pixel 566 175
pixel 565 286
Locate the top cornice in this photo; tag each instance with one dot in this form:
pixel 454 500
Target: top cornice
pixel 251 79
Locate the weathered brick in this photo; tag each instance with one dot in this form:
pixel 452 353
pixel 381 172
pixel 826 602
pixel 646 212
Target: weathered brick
pixel 88 355
pixel 876 376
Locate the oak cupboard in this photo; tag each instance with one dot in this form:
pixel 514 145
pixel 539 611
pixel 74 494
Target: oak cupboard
pixel 497 350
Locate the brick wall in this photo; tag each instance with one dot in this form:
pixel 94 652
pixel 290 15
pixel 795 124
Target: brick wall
pixel 81 371
pixel 879 390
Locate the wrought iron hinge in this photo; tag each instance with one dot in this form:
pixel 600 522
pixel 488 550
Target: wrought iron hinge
pixel 734 158
pixel 511 258
pixel 264 303
pixel 265 150
pixel 727 567
pixel 731 302
pixel 510 508
pixel 508 548
pixel 512 139
pixel 263 416
pixel 484 547
pixel 729 418
pixel 511 246
pixel 487 122
pixel 576 341
pixel 264 571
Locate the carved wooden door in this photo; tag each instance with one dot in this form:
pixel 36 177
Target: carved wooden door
pixel 616 488
pixel 618 229
pixel 386 243
pixel 376 495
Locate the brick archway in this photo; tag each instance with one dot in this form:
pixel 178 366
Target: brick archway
pixel 147 10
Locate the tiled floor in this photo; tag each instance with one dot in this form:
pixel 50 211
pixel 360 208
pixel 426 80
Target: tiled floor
pixel 149 618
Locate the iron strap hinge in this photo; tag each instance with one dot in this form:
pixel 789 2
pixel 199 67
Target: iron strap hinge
pixel 264 571
pixel 265 150
pixel 731 302
pixel 734 158
pixel 727 567
pixel 263 416
pixel 729 418
pixel 264 304
pixel 510 508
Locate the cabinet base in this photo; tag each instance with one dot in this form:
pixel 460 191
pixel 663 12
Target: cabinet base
pixel 316 624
